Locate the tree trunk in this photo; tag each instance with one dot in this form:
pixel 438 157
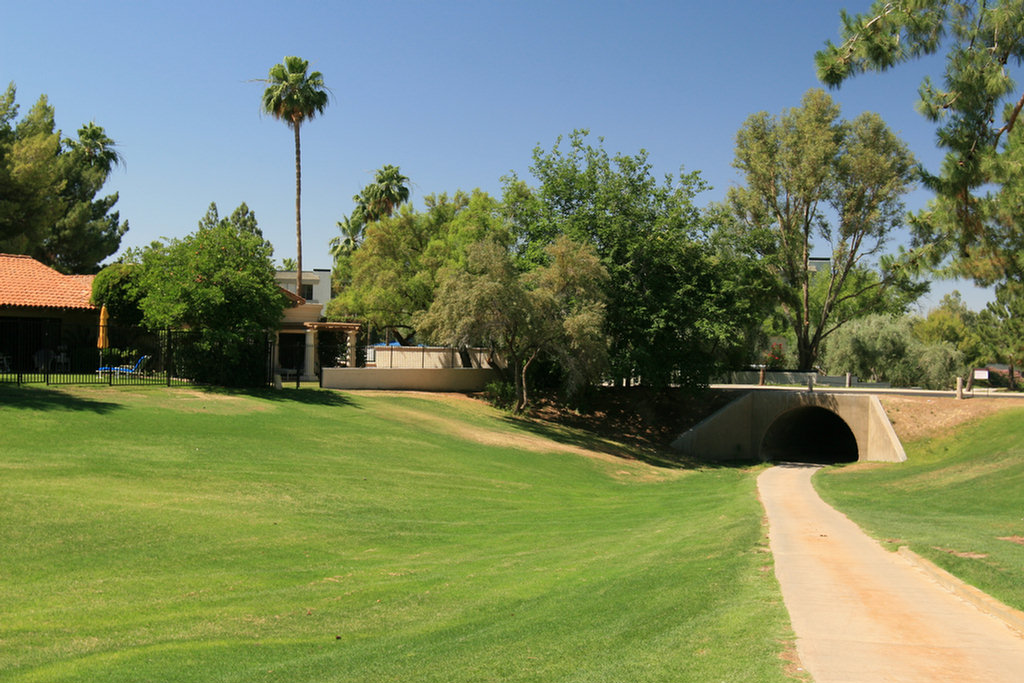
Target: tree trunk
pixel 298 212
pixel 518 377
pixel 805 357
pixel 523 398
pixel 521 383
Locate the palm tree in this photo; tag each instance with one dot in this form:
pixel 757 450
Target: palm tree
pixel 379 199
pixel 97 146
pixel 295 96
pixel 389 190
pixel 346 243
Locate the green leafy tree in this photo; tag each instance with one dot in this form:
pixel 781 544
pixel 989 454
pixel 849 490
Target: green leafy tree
pixel 89 230
pixel 812 179
pixel 977 212
pixel 669 308
pixel 218 283
pixel 746 297
pixel 884 348
pixel 30 184
pixel 295 95
pixel 1001 328
pixel 48 190
pixel 553 310
pixel 118 288
pixel 954 323
pixel 396 271
pixel 380 199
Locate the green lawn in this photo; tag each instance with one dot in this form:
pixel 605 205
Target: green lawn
pixel 154 534
pixel 958 500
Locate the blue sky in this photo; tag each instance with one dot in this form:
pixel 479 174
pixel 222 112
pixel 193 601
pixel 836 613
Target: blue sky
pixel 456 93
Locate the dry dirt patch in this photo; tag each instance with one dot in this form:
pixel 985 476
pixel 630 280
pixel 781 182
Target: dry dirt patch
pixel 966 554
pixel 916 417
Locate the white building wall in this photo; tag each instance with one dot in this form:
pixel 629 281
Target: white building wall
pixel 319 278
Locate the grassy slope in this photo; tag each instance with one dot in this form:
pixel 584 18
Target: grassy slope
pixel 954 501
pixel 155 534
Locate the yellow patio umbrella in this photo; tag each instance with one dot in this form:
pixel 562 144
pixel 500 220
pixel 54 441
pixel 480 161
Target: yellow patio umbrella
pixel 103 341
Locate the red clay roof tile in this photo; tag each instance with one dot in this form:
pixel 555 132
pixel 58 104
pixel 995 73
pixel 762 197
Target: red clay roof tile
pixel 25 282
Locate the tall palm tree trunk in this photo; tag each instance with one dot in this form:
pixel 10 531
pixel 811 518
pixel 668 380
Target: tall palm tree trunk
pixel 298 212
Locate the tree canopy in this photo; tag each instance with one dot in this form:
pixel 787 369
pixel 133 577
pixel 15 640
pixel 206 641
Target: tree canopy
pixel 380 199
pixel 49 208
pixel 815 181
pixel 396 271
pixel 218 283
pixel 220 276
pixel 977 213
pixel 1001 327
pixel 554 309
pixel 886 348
pixel 669 297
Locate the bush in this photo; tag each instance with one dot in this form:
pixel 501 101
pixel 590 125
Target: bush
pixel 501 394
pixel 222 358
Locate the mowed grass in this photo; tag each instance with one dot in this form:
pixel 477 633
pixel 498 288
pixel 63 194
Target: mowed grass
pixel 958 500
pixel 153 534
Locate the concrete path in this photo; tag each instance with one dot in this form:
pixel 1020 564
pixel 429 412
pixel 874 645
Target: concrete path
pixel 861 613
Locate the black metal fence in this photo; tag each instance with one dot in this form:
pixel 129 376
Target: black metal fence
pixel 53 352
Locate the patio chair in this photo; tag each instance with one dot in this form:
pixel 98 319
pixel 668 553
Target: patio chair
pixel 43 359
pixel 127 369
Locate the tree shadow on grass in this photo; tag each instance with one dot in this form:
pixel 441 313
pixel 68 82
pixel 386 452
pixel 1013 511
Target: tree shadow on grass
pixel 637 451
pixel 310 397
pixel 37 398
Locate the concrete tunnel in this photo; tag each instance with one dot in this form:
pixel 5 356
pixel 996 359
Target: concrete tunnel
pixel 793 425
pixel 809 434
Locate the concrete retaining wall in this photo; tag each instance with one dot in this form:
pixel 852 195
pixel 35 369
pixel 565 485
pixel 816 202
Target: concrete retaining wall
pixel 409 379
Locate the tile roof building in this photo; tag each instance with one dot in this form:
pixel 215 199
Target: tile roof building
pixel 28 284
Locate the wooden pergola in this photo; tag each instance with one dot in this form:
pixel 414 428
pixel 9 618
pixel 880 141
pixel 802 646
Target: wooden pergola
pixel 350 329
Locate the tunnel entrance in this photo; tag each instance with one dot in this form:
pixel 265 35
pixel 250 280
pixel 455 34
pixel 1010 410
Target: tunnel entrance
pixel 809 434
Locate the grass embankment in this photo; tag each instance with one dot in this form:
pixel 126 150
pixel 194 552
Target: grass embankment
pixel 958 500
pixel 179 535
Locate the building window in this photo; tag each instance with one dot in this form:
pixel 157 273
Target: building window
pixel 307 292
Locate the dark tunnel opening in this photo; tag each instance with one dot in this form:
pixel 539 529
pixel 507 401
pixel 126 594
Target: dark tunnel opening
pixel 809 434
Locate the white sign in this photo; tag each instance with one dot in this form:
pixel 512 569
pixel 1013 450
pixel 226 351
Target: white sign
pixel 981 374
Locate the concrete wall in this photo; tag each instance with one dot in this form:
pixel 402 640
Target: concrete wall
pixel 409 379
pixel 422 357
pixel 882 439
pixel 736 432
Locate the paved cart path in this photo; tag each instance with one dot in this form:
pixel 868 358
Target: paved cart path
pixel 861 613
